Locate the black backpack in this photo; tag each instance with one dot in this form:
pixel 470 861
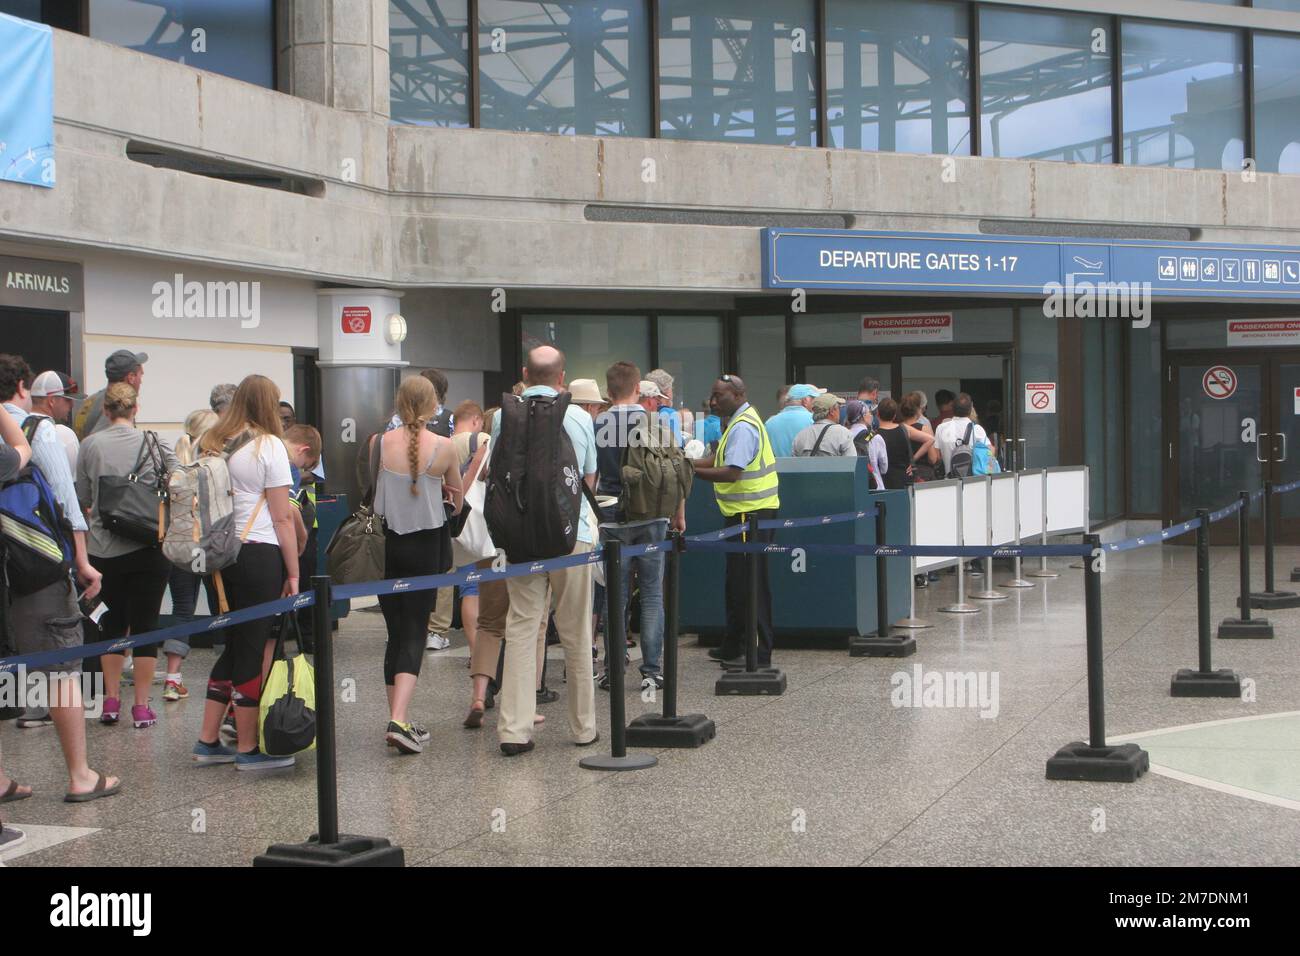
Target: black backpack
pixel 961 462
pixel 534 485
pixel 440 423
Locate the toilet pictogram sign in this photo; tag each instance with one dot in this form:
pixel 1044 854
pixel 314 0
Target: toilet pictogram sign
pixel 1219 382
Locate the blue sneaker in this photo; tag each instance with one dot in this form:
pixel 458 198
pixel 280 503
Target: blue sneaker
pixel 256 760
pixel 212 753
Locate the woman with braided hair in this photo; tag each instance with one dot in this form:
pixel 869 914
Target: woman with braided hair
pixel 418 471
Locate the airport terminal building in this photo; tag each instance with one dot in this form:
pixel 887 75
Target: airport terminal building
pixel 793 190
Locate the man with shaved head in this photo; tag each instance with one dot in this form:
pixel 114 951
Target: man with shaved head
pixel 743 474
pixel 570 591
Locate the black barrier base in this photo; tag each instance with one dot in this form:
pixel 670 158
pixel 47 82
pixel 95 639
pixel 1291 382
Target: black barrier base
pixel 1272 600
pixel 1190 683
pixel 1295 575
pixel 685 731
pixel 1120 763
pixel 610 762
pixel 892 645
pixel 349 851
pixel 1235 627
pixel 768 680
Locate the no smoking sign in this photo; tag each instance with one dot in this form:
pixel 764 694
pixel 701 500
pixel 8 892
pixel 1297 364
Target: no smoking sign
pixel 1040 398
pixel 1219 382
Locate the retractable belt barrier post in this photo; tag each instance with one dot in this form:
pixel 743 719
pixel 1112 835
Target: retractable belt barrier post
pixel 1095 760
pixel 1016 580
pixel 961 606
pixel 1270 598
pixel 326 847
pixel 670 729
pixel 752 681
pixel 1204 681
pixel 912 622
pixel 882 643
pixel 989 594
pixel 1244 626
pixel 615 650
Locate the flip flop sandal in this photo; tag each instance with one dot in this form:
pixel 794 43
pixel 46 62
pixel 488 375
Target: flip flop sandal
pixel 474 718
pixel 100 790
pixel 12 794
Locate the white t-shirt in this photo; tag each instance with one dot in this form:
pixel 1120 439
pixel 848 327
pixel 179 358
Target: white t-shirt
pixel 950 432
pixel 70 444
pixel 262 463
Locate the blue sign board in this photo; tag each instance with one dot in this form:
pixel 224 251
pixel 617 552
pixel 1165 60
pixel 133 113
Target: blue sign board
pixel 869 261
pixel 26 102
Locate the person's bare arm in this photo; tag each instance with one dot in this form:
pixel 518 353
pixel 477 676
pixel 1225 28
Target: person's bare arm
pixel 678 523
pixel 282 515
pixel 445 464
pixel 299 529
pixel 87 576
pixel 476 465
pixel 12 434
pixel 705 470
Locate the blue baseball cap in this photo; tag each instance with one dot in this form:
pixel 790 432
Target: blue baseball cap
pixel 803 391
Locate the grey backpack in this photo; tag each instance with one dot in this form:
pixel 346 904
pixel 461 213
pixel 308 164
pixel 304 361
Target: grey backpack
pixel 201 536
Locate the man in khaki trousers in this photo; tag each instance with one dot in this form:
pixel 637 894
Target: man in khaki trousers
pixel 571 590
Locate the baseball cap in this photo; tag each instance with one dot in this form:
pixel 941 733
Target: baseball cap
pixel 55 385
pixel 122 363
pixel 824 403
pixel 584 390
pixel 649 389
pixel 803 391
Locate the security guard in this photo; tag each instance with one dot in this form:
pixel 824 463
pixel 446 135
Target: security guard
pixel 743 472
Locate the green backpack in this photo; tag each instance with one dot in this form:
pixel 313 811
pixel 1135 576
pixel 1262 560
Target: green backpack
pixel 657 476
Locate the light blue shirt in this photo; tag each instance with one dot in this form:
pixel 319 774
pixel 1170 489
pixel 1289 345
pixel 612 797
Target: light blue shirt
pixel 784 425
pixel 742 443
pixel 578 426
pixel 674 419
pixel 50 456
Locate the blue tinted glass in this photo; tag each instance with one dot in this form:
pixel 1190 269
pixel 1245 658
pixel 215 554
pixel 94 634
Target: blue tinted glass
pixel 428 57
pixel 1277 103
pixel 1183 97
pixel 578 67
pixel 23 9
pixel 898 76
pixel 738 69
pixel 231 37
pixel 1045 82
pixel 1293 5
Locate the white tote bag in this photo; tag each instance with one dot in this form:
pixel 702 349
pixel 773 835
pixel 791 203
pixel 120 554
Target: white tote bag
pixel 474 543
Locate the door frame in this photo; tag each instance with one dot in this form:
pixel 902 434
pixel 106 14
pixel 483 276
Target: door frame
pixel 1269 361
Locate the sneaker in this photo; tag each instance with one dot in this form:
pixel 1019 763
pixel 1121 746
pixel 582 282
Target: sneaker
pixel 111 712
pixel 652 680
pixel 403 737
pixel 205 754
pixel 228 733
pixel 142 716
pixel 34 717
pixel 514 750
pixel 422 735
pixel 721 653
pixel 256 760
pixel 436 642
pixel 547 696
pixel 175 690
pixel 603 681
pixel 11 837
pixel 922 581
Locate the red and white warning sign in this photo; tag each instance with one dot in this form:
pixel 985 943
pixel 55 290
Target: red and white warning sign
pixel 1219 382
pixel 1040 398
pixel 356 319
pixel 1297 401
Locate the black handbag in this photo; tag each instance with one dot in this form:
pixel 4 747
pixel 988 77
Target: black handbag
pixel 289 722
pixel 132 507
pixel 456 522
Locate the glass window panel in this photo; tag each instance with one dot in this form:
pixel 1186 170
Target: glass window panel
pixel 237 39
pixel 1038 362
pixel 1114 405
pixel 1277 103
pixel 898 76
pixel 591 343
pixel 762 360
pixel 1146 447
pixel 576 67
pixel 816 329
pixel 1184 91
pixel 1196 333
pixel 23 9
pixel 1045 86
pixel 690 350
pixel 738 69
pixel 428 56
pixel 1094 419
pixel 1292 5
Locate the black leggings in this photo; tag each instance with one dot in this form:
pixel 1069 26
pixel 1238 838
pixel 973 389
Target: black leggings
pixel 133 589
pixel 407 615
pixel 257 577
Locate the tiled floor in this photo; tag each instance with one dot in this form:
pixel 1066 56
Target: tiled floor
pixel 832 772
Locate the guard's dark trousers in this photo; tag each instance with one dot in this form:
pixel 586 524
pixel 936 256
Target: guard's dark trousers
pixel 733 645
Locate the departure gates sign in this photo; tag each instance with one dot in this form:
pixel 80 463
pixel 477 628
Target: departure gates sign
pixel 849 260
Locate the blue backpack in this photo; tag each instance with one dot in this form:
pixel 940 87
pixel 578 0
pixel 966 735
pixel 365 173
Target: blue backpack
pixel 35 536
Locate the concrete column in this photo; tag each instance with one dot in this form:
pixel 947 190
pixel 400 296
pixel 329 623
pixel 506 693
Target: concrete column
pixel 335 52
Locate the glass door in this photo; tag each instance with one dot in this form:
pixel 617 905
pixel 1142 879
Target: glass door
pixel 844 378
pixel 1282 447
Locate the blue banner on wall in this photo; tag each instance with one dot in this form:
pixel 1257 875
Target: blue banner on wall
pixel 833 259
pixel 26 102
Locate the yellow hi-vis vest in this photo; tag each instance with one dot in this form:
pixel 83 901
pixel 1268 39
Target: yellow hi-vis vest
pixel 757 488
